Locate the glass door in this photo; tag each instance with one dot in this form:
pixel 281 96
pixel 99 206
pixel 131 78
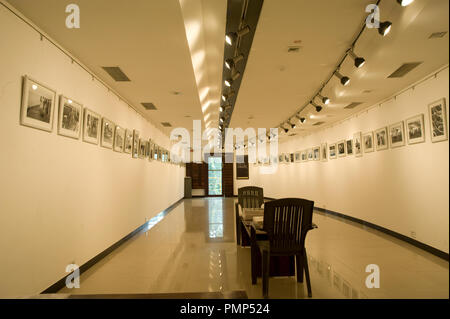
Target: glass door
pixel 214 176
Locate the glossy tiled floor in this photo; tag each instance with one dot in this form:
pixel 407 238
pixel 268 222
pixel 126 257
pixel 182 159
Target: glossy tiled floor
pixel 193 250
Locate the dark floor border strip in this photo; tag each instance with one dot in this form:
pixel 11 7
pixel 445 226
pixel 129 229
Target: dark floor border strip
pixel 60 284
pixel 409 240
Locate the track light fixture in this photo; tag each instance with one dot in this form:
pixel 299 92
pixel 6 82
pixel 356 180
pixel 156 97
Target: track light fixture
pixel 359 61
pixel 231 63
pixel 231 37
pixel 302 119
pixel 234 77
pixel 405 3
pixel 284 129
pixel 221 109
pixel 227 96
pixel 293 126
pixel 221 120
pixel 318 107
pixel 385 28
pixel 325 99
pixel 345 80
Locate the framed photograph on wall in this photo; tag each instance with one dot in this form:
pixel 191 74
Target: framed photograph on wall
pixel 332 151
pixel 69 119
pixel 242 168
pixel 142 148
pixel 415 129
pixel 287 158
pixel 341 149
pixel 38 105
pixel 349 147
pixel 310 154
pixel 107 133
pixel 304 156
pixel 316 153
pixel 135 150
pixel 437 113
pixel 298 157
pixel 91 123
pixel 324 152
pixel 357 144
pixel 119 139
pixel 128 145
pixel 381 139
pixel 150 150
pixel 397 135
pixel 292 157
pixel 280 158
pixel 368 142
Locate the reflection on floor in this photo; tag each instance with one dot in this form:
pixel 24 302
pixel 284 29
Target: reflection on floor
pixel 193 250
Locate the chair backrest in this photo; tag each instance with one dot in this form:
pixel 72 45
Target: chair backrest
pixel 250 197
pixel 287 222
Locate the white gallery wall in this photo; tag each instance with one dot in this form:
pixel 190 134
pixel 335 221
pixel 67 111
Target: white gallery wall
pixel 404 189
pixel 63 200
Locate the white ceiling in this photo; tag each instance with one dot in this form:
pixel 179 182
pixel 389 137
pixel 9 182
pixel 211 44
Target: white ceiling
pixel 277 84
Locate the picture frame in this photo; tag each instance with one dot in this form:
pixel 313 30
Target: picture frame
pixel 381 139
pixel 287 158
pixel 70 117
pixel 304 156
pixel 119 139
pixel 340 147
pixel 349 147
pixel 367 139
pixel 332 152
pixel 324 152
pixel 107 133
pixel 297 156
pixel 135 149
pixel 357 144
pixel 91 126
pixel 316 153
pixel 150 150
pixel 128 143
pixel 397 134
pixel 415 131
pixel 281 158
pixel 310 154
pixel 292 158
pixel 437 114
pixel 142 148
pixel 37 105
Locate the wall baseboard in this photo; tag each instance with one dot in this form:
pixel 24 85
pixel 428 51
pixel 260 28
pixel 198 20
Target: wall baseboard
pixel 409 240
pixel 60 284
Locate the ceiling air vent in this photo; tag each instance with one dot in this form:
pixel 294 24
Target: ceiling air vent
pixel 404 69
pixel 352 105
pixel 166 124
pixel 318 123
pixel 437 35
pixel 293 49
pixel 116 73
pixel 149 106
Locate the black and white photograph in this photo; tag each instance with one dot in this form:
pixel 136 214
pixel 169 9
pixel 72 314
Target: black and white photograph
pixel 368 142
pixel 38 105
pixel 91 123
pixel 287 158
pixel 357 144
pixel 69 119
pixel 292 157
pixel 135 150
pixel 415 129
pixel 397 135
pixel 128 143
pixel 381 139
pixel 119 139
pixel 341 149
pixel 108 128
pixel 316 153
pixel 349 147
pixel 280 158
pixel 332 151
pixel 310 154
pixel 437 113
pixel 304 156
pixel 142 148
pixel 150 150
pixel 298 158
pixel 324 152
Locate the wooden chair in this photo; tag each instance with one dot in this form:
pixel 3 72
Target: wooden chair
pixel 248 197
pixel 286 222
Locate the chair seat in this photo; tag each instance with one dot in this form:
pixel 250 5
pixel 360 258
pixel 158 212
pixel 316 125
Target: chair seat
pixel 276 251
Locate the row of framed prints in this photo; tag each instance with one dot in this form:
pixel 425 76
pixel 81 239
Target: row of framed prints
pixel 411 131
pixel 38 108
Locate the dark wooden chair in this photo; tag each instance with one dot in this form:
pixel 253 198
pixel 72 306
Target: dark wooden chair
pixel 248 197
pixel 286 222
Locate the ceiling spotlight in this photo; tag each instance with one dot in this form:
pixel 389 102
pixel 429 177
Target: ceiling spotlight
pixel 345 80
pixel 231 63
pixel 225 97
pixel 231 37
pixel 325 100
pixel 221 120
pixel 385 28
pixel 318 107
pixel 292 125
pixel 359 61
pixel 405 3
pixel 302 119
pixel 221 109
pixel 229 81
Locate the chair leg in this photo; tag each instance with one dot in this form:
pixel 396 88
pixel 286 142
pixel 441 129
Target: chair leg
pixel 238 228
pixel 254 256
pixel 299 263
pixel 308 281
pixel 265 272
